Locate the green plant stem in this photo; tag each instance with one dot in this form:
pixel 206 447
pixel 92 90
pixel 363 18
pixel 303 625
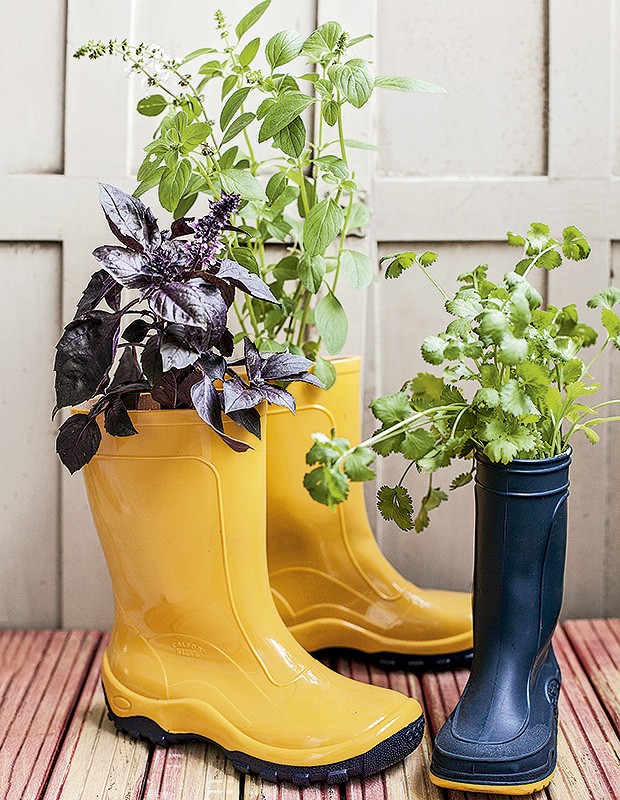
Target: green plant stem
pixel 343 148
pixel 304 317
pixel 302 187
pixel 596 356
pixel 428 416
pixel 341 244
pixel 433 281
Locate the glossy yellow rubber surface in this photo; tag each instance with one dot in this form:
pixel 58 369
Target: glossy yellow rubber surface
pixel 509 789
pixel 197 644
pixel 332 585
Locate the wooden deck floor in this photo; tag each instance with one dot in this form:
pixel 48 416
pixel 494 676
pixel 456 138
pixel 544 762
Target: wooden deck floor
pixel 56 742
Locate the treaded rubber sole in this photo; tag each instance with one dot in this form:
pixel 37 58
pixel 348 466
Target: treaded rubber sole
pixel 402 661
pixel 493 788
pixel 380 757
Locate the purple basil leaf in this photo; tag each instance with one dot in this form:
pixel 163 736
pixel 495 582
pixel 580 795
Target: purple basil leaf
pixel 167 391
pixel 180 227
pixel 245 280
pixel 305 377
pixel 125 266
pixel 238 396
pixel 207 403
pixel 253 361
pixel 247 418
pixel 184 399
pixel 136 330
pixel 177 346
pixel 129 219
pixel 191 303
pixel 278 366
pixel 213 366
pixel 151 360
pixel 279 396
pixel 113 296
pixel 84 356
pixel 128 369
pixel 78 441
pixel 117 421
pixel 226 343
pixel 98 286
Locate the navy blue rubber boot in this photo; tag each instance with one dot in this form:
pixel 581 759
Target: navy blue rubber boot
pixel 502 735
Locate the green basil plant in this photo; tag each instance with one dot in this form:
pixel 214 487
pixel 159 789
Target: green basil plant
pixel 514 382
pixel 304 195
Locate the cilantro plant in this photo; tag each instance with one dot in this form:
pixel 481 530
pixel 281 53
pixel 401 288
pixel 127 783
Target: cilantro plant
pixel 176 344
pixel 514 382
pixel 304 196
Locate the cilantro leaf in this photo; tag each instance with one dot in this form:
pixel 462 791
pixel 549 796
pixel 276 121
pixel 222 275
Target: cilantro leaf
pixel 395 505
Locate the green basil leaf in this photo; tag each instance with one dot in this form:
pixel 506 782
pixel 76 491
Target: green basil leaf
pixel 251 18
pixel 282 113
pixel 248 54
pixel 325 372
pixel 332 323
pixel 323 40
pixel 232 105
pixel 311 272
pixel 355 80
pixel 237 125
pixel 357 268
pixel 152 106
pixel 282 48
pixel 242 182
pixel 321 226
pixel 172 184
pixel 398 84
pixel 292 139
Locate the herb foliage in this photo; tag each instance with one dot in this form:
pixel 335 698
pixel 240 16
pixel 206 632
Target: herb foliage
pixel 311 201
pixel 171 331
pixel 514 382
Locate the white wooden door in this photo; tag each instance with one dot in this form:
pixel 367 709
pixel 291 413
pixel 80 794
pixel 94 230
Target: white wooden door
pixel 527 132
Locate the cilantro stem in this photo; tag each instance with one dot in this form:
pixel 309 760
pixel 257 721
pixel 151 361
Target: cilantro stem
pixel 387 433
pixel 433 281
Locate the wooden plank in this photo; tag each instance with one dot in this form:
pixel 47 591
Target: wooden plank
pixel 589 753
pixel 97 762
pixel 191 772
pixel 597 645
pixel 38 728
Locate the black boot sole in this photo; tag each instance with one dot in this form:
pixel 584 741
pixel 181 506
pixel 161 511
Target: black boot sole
pixel 380 757
pixel 402 661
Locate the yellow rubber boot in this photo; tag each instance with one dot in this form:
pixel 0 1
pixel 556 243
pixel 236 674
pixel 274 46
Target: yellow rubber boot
pixel 332 585
pixel 198 650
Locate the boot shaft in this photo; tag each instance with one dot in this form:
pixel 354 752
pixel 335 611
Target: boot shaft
pixel 521 520
pixel 181 519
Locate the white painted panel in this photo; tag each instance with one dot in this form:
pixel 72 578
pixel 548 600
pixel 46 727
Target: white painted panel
pixel 96 101
pixel 29 471
pixel 32 60
pixel 581 87
pixel 490 56
pixel 410 309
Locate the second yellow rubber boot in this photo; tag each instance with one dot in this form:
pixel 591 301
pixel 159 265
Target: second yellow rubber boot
pixel 332 585
pixel 198 650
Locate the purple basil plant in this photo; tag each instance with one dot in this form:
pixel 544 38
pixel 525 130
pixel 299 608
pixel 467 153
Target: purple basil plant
pixel 177 344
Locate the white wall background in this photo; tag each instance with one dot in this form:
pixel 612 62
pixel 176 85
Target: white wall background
pixel 529 131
